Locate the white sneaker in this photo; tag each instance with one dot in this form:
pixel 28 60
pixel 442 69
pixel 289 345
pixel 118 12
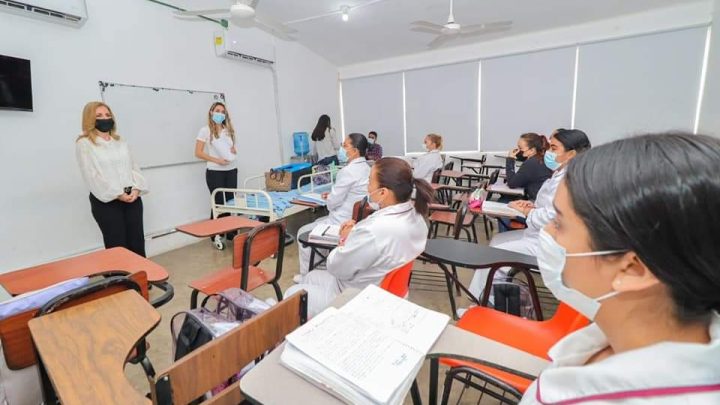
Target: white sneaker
pixel 298 278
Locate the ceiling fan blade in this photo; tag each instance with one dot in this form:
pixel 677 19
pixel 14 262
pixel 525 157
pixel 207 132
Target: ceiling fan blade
pixel 203 12
pixel 496 24
pixel 426 30
pixel 483 32
pixel 439 41
pixel 426 24
pixel 263 19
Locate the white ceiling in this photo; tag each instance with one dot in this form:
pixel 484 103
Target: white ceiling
pixel 382 30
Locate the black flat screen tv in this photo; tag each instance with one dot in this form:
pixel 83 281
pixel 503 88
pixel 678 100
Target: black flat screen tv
pixel 15 84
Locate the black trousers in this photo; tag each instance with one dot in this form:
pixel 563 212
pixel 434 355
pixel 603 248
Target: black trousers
pixel 222 179
pixel 121 223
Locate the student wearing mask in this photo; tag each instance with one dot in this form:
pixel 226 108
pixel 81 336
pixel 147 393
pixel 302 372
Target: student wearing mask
pixel 621 251
pixel 114 179
pixel 218 138
pixel 375 151
pixel 389 238
pixel 325 142
pixel 425 165
pixel 532 174
pixel 565 145
pixel 350 187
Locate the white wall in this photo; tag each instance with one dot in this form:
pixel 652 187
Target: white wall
pixel 653 21
pixel 709 122
pixel 45 207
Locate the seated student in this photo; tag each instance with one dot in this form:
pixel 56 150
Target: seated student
pixel 564 146
pixel 350 187
pixel 392 236
pixel 375 151
pixel 533 173
pixel 634 248
pixel 425 165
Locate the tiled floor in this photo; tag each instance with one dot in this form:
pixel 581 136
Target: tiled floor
pixel 194 261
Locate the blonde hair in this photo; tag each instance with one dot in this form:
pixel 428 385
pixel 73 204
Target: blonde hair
pixel 228 123
pixel 88 122
pixel 436 139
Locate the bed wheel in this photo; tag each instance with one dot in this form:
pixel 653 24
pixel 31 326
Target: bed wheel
pixel 218 242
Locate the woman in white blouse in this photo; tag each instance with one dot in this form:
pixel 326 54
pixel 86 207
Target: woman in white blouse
pixel 425 165
pixel 325 142
pixel 114 180
pixel 392 236
pixel 218 138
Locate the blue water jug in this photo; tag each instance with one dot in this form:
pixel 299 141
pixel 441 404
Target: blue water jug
pixel 301 143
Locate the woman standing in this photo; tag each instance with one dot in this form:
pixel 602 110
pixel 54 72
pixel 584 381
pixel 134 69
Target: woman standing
pixel 325 142
pixel 425 165
pixel 218 137
pixel 114 180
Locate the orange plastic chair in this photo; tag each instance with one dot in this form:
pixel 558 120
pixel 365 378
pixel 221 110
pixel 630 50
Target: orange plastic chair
pixel 534 337
pixel 398 281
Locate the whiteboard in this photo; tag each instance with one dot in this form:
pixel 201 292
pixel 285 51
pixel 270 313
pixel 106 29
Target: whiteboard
pixel 159 124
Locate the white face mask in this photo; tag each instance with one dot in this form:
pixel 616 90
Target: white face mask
pixel 551 260
pixel 374 205
pixel 425 147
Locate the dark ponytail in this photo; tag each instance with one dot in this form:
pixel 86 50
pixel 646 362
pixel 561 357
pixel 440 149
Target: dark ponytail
pixel 396 175
pixel 538 142
pixel 424 196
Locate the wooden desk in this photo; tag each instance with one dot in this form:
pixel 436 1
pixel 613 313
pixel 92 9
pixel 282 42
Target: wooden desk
pixel 83 348
pixel 219 226
pixel 115 259
pixel 502 188
pixel 260 385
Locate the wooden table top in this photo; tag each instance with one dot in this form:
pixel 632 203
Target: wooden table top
pixel 115 259
pixel 454 174
pixel 212 227
pixel 83 348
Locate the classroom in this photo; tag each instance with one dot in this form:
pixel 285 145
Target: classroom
pixel 360 202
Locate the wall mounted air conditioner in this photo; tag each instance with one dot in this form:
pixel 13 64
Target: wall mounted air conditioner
pixel 69 12
pixel 235 46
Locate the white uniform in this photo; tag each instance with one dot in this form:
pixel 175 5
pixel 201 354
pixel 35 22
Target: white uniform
pixel 662 374
pixel 351 186
pixel 425 165
pixel 382 242
pixel 523 240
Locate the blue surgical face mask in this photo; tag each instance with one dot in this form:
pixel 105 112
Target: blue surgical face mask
pixel 550 160
pixel 218 117
pixel 342 155
pixel 374 205
pixel 551 261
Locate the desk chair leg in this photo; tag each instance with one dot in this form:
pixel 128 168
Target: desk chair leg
pixel 533 293
pixel 278 291
pixel 474 232
pixel 193 299
pixel 449 283
pixel 415 393
pixel 311 264
pixel 487 232
pixel 148 368
pixel 434 366
pixel 447 387
pixel 457 286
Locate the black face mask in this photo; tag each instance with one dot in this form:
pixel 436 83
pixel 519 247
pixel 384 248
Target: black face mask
pixel 104 125
pixel 519 157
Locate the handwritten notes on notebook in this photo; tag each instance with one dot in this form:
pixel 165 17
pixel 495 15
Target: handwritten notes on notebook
pixel 367 352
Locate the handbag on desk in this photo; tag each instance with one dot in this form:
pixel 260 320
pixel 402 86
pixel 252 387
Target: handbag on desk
pixel 277 180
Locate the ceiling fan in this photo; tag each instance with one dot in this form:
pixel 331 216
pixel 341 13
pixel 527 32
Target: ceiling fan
pixel 452 30
pixel 243 14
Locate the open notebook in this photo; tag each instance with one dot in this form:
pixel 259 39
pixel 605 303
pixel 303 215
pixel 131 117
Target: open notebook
pixel 501 209
pixel 367 352
pixel 324 233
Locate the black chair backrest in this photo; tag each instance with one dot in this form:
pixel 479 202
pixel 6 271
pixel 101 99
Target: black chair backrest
pixel 449 165
pixel 459 219
pixel 436 176
pixel 494 176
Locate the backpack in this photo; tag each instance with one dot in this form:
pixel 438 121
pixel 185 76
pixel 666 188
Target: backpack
pixel 513 297
pixel 217 315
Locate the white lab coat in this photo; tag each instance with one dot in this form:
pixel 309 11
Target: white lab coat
pixel 384 241
pixel 351 186
pixel 524 240
pixel 650 375
pixel 425 165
